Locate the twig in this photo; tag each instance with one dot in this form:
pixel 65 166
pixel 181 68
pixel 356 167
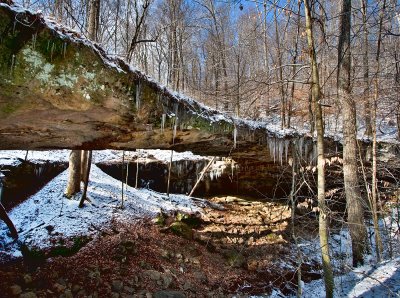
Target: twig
pixel 201 176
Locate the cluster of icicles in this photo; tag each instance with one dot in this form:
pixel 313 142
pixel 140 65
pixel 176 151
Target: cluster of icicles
pixel 304 148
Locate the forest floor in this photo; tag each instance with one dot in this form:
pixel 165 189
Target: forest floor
pixel 237 246
pixel 159 246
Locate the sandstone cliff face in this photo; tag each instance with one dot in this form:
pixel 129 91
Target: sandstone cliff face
pixel 59 90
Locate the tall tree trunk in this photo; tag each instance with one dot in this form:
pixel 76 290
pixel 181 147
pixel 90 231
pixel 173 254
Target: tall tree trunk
pixel 355 211
pixel 93 20
pixel 378 240
pixel 323 217
pixel 266 64
pixel 74 180
pixel 58 7
pixel 295 55
pixel 280 70
pixel 84 164
pixel 311 117
pixel 88 161
pixel 367 106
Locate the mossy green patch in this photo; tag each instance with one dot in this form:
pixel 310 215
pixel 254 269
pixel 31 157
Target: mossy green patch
pixel 8 108
pixel 66 251
pixel 181 229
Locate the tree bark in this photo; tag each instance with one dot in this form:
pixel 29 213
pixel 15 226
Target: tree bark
pixel 374 199
pixel 93 20
pixel 84 164
pixel 74 180
pixel 4 217
pixel 323 217
pixel 86 180
pixel 294 61
pixel 280 71
pixel 367 106
pixel 355 211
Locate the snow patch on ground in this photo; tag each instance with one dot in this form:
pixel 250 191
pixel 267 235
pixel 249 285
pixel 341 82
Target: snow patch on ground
pixel 48 214
pixel 14 157
pixel 381 280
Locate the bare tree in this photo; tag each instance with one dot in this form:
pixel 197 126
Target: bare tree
pixel 74 179
pixel 316 97
pixel 355 211
pixel 93 19
pixel 374 199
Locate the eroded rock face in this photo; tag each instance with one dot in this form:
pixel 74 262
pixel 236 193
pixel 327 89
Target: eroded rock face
pixel 58 90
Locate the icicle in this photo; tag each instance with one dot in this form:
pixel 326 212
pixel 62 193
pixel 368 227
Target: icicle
pixel 138 96
pixel 34 38
pixel 64 49
pixel 179 165
pixel 163 117
pixel 301 145
pixel 12 64
pixel 175 127
pixel 271 147
pixel 48 45
pixel 280 150
pixel 52 51
pixel 14 25
pixel 137 168
pixel 306 151
pixel 234 137
pixel 287 143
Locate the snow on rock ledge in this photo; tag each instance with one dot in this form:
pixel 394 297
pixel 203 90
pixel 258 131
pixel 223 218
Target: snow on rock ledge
pixel 59 90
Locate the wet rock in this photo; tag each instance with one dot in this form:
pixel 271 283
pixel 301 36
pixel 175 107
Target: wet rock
pixel 167 279
pixel 114 295
pixel 152 274
pixel 15 290
pixel 169 294
pixel 117 285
